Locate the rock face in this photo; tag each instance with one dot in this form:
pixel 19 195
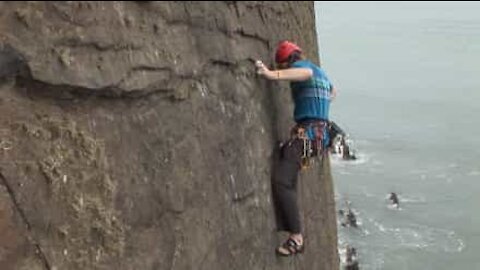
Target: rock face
pixel 136 135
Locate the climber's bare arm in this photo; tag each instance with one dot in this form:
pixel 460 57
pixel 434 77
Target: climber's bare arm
pixel 290 74
pixel 333 93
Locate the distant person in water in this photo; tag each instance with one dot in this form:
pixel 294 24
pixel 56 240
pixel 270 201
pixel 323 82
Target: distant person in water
pixel 351 262
pixel 394 199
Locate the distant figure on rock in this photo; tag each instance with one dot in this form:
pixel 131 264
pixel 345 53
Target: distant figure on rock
pixel 312 92
pixel 351 262
pixel 348 217
pixel 335 134
pixel 346 151
pixel 394 199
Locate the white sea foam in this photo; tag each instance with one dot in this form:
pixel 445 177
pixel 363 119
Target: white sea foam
pixel 474 173
pixel 362 158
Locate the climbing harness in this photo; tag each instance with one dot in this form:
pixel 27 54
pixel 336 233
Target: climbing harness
pixel 312 136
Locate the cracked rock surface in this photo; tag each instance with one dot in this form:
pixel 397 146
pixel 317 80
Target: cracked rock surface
pixel 136 135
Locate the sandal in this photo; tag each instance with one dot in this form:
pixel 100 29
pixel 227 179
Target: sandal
pixel 291 246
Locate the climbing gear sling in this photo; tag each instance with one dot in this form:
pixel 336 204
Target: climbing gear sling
pixel 313 135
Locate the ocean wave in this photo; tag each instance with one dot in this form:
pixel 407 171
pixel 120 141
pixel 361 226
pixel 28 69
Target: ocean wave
pixel 394 207
pixel 367 194
pixel 412 199
pixel 421 237
pixel 362 158
pixel 474 173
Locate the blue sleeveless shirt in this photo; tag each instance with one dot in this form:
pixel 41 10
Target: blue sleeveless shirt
pixel 311 97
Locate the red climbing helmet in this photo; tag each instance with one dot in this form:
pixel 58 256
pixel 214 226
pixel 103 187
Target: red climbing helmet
pixel 284 50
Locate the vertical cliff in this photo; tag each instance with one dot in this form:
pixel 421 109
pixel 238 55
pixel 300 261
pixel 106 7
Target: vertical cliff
pixel 136 135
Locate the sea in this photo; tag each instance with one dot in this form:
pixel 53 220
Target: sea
pixel 408 81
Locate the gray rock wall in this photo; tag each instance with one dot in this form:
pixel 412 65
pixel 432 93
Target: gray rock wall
pixel 136 135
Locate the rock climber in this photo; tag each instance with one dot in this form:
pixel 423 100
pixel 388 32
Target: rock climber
pixel 312 93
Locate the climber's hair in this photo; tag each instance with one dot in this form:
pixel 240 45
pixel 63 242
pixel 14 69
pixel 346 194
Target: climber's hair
pixel 294 57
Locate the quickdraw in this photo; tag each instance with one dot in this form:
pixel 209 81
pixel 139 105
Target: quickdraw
pixel 300 133
pixel 312 135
